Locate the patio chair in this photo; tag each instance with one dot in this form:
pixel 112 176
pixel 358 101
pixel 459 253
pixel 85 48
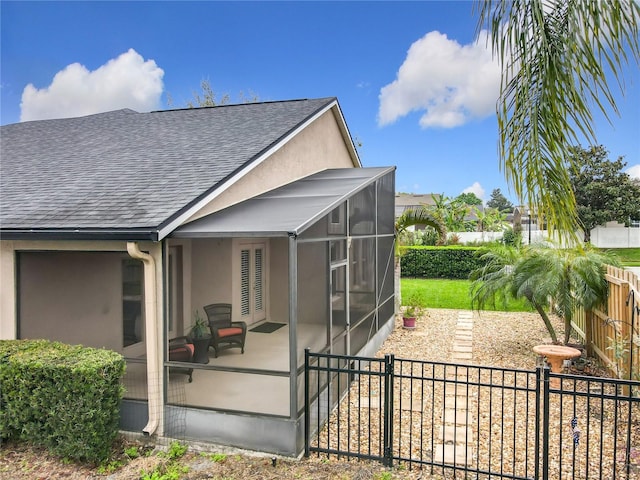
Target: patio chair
pixel 181 350
pixel 224 333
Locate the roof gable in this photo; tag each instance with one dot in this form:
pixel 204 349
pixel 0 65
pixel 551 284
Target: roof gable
pixel 128 170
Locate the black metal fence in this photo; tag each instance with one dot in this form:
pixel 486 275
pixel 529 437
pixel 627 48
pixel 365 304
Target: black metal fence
pixel 468 421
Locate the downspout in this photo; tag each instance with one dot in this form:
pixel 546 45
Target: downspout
pixel 151 335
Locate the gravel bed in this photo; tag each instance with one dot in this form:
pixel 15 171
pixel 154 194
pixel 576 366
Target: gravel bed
pixel 501 422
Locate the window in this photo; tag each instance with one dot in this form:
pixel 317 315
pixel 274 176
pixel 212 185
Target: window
pixel 337 225
pixel 132 302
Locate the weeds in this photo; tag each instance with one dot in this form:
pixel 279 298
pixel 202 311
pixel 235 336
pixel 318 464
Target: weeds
pixel 172 471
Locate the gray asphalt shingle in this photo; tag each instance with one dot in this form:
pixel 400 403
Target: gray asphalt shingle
pixel 124 170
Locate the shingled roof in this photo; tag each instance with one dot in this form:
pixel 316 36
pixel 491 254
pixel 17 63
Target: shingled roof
pixel 125 173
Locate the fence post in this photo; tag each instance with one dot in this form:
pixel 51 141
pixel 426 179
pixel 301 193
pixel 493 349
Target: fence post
pixel 545 422
pixel 536 461
pixel 388 410
pixel 307 420
pixel 626 331
pixel 588 332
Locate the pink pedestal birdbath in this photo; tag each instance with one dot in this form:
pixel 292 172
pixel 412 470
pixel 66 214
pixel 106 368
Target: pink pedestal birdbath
pixel 556 355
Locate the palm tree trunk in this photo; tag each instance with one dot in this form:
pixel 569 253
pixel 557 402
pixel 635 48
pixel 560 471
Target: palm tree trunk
pixel 547 323
pixel 567 327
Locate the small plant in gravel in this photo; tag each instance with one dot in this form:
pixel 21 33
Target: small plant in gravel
pixel 176 450
pixel 132 452
pixel 215 457
pixel 109 467
pixel 173 471
pixel 384 476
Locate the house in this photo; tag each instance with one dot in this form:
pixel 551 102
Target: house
pixel 116 228
pixel 412 201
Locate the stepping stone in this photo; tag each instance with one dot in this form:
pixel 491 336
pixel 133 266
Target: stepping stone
pixel 459 356
pixel 462 348
pixel 453 455
pixel 456 402
pixel 456 417
pixel 458 435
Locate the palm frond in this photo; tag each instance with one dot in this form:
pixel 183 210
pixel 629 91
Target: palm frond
pixel 556 56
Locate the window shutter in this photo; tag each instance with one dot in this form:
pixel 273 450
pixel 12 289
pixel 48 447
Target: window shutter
pixel 258 279
pixel 245 286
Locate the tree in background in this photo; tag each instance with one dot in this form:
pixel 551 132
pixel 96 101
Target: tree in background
pixel 556 56
pixel 411 218
pixel 603 192
pixel 451 212
pixel 491 220
pixel 469 198
pixel 207 97
pixel 499 201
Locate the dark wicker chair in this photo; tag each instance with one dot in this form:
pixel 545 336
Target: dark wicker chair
pixel 224 333
pixel 181 350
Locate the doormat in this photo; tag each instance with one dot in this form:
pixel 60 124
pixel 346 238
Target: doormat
pixel 267 327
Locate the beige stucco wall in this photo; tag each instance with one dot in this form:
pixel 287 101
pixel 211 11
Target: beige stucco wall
pixel 77 296
pixel 72 297
pixel 318 147
pixel 210 273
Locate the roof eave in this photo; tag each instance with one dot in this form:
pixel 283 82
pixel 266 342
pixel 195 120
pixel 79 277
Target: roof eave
pixel 59 234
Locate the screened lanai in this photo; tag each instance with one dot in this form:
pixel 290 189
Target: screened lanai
pixel 326 252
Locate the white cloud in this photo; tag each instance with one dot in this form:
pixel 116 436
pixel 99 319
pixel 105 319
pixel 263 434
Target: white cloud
pixel 475 188
pixel 127 81
pixel 451 83
pixel 634 171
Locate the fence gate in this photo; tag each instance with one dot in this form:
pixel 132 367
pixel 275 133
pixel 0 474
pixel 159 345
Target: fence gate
pixel 457 420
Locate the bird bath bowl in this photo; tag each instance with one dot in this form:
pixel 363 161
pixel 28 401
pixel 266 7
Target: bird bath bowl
pixel 556 355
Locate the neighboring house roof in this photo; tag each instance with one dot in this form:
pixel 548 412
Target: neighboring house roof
pixel 287 210
pixel 405 201
pixel 129 175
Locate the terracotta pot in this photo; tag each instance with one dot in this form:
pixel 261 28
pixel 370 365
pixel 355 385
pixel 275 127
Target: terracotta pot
pixel 409 322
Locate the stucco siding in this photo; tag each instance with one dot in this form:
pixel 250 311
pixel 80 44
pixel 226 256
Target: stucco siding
pixel 72 297
pixel 210 274
pixel 66 270
pixel 318 147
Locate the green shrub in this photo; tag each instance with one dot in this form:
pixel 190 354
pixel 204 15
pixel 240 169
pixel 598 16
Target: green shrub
pixel 62 397
pixel 512 238
pixel 454 262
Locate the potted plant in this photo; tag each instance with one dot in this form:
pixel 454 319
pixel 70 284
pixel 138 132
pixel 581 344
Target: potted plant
pixel 200 336
pixel 410 312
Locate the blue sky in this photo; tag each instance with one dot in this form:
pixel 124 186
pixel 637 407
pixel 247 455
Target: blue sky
pixel 414 89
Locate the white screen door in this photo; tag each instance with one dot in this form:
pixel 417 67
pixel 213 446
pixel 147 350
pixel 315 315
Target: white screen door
pixel 252 282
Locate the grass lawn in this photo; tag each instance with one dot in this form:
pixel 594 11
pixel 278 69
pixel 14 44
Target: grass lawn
pixel 436 293
pixel 627 256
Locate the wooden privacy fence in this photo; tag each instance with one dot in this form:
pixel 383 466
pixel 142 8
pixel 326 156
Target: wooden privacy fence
pixel 611 333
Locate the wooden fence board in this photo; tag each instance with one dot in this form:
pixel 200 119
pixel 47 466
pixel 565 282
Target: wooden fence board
pixel 611 333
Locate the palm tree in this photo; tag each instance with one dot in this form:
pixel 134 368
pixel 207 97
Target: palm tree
pixel 409 218
pixel 558 279
pixel 555 56
pixel 490 219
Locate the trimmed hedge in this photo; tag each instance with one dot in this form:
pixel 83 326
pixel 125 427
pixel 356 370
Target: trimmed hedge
pixel 453 262
pixel 62 397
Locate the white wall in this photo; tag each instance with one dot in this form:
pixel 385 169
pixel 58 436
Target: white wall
pixel 616 237
pixel 601 237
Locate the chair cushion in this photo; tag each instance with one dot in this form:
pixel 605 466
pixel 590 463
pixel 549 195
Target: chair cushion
pixel 229 332
pixel 182 353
